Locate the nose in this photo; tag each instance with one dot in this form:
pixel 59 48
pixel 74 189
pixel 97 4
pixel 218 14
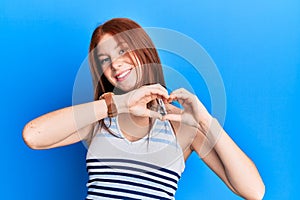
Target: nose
pixel 117 63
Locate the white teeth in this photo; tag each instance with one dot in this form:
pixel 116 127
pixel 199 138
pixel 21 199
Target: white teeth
pixel 123 74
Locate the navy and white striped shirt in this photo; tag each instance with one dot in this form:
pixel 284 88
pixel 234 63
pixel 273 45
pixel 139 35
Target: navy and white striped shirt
pixel 148 168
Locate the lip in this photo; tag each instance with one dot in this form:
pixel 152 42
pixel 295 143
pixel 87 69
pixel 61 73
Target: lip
pixel 128 71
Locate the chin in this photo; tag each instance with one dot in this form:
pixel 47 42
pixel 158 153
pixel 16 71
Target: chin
pixel 128 88
pixel 121 90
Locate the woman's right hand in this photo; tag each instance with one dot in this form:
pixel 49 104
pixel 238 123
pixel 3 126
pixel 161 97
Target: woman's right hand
pixel 135 101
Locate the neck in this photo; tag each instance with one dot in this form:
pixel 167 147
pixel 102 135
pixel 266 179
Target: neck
pixel 133 127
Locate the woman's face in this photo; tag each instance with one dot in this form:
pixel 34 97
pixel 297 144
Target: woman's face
pixel 116 63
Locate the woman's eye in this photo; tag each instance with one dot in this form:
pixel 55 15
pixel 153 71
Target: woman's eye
pixel 122 51
pixel 104 61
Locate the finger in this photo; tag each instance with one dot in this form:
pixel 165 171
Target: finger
pixel 149 93
pixel 180 118
pixel 159 87
pixel 158 92
pixel 183 97
pixel 172 117
pixel 180 90
pixel 180 93
pixel 151 97
pixel 154 114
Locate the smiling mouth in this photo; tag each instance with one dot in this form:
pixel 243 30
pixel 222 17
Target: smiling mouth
pixel 123 75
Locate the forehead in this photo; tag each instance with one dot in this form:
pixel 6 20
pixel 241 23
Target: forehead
pixel 107 44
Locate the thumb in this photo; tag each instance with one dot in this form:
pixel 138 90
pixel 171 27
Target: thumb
pixel 155 115
pixel 186 119
pixel 172 117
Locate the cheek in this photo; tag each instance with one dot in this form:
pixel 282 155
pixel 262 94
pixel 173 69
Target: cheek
pixel 108 74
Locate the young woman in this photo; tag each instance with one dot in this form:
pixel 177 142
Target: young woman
pixel 138 141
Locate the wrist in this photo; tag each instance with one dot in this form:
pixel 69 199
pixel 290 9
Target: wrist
pixel 120 103
pixel 110 104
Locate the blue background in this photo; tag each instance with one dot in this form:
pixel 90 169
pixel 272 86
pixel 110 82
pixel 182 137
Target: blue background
pixel 255 44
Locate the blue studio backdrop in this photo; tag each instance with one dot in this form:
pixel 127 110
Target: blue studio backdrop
pixel 254 44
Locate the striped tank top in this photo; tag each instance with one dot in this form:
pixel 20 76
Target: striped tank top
pixel 148 168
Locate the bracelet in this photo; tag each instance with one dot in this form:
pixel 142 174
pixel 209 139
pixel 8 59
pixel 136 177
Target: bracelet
pixel 111 106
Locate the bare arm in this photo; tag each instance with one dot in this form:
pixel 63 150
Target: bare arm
pixel 72 124
pixel 64 126
pixel 216 148
pixel 232 165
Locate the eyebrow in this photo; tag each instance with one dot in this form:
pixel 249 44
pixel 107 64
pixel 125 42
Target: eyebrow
pixel 118 45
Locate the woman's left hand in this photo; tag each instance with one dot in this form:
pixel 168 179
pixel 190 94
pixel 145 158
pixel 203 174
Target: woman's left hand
pixel 194 113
